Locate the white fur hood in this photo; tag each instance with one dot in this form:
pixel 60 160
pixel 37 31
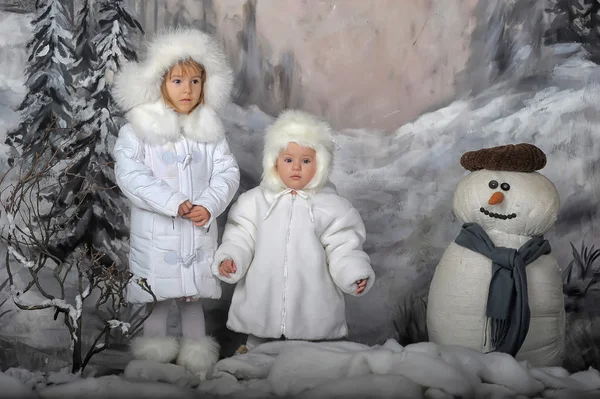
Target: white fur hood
pixel 304 129
pixel 137 87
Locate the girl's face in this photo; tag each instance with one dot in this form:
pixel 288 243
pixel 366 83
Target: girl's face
pixel 296 166
pixel 183 87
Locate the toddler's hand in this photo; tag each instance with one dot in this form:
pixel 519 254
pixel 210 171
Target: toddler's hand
pixel 362 284
pixel 199 215
pixel 226 267
pixel 185 207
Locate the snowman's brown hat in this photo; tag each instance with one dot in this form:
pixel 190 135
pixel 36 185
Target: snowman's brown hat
pixel 512 157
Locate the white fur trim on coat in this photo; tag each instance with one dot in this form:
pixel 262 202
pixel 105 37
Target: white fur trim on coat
pixel 160 349
pixel 155 123
pixel 198 356
pixel 139 83
pixel 304 129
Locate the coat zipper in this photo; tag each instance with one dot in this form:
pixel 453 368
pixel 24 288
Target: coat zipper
pixel 285 267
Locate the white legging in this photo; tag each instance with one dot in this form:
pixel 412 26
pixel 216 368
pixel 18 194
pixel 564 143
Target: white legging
pixel 193 325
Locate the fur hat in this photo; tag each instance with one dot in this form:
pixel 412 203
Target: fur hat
pixel 304 129
pixel 512 157
pixel 139 83
pixel 136 87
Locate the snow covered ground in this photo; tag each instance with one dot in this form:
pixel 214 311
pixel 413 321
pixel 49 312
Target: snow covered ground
pixel 296 369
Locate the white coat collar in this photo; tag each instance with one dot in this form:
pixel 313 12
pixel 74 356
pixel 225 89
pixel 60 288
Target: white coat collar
pixel 300 193
pixel 155 123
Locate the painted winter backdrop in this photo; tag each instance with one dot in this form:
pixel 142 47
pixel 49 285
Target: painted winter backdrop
pixel 406 101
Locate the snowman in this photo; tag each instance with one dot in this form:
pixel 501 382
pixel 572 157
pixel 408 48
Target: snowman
pixel 497 287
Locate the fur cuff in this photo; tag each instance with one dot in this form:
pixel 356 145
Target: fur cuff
pixel 198 356
pixel 160 349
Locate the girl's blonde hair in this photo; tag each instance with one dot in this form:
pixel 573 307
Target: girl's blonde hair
pixel 185 67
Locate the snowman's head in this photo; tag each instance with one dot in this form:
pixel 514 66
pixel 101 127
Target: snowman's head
pixel 511 201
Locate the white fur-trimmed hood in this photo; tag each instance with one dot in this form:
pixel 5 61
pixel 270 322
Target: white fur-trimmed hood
pixel 304 129
pixel 136 88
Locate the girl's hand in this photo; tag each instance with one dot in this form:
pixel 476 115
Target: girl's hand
pixel 199 215
pixel 226 267
pixel 185 207
pixel 362 284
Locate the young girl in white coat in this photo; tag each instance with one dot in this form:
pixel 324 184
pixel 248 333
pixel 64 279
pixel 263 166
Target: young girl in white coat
pixel 292 245
pixel 173 162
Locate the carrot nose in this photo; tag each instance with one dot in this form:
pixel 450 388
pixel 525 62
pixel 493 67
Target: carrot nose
pixel 496 198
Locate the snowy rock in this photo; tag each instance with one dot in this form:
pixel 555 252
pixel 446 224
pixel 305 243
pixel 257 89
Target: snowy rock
pixel 147 370
pixel 115 386
pixel 343 369
pixel 370 386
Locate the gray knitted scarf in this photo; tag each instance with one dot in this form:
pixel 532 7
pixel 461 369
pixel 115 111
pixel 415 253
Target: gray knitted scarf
pixel 507 305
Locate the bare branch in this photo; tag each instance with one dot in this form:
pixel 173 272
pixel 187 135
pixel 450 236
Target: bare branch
pixel 144 284
pixel 35 208
pixel 95 348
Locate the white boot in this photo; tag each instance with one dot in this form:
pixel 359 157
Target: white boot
pixel 160 349
pixel 198 356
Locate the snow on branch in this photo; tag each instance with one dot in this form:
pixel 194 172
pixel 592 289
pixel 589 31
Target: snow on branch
pixel 20 258
pixel 118 323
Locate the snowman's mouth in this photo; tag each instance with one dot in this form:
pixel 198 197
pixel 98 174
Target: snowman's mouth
pixel 497 215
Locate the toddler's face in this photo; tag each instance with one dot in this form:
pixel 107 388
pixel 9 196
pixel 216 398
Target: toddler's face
pixel 184 87
pixel 296 166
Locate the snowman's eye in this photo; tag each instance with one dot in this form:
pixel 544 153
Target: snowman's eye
pixel 505 186
pixel 493 184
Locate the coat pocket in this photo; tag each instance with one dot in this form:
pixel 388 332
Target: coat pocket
pixel 166 231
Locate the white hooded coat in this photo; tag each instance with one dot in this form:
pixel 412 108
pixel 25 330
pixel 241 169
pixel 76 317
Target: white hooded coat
pixel 163 158
pixel 296 254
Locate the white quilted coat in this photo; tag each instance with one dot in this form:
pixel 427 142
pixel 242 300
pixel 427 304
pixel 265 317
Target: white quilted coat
pixel 162 159
pixel 459 289
pixel 296 254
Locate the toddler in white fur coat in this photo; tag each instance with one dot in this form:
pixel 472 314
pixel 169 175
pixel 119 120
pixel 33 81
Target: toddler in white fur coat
pixel 292 244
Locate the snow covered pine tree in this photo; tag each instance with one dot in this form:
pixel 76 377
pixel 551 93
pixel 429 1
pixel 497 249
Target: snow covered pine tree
pixel 42 138
pixel 101 222
pixel 47 103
